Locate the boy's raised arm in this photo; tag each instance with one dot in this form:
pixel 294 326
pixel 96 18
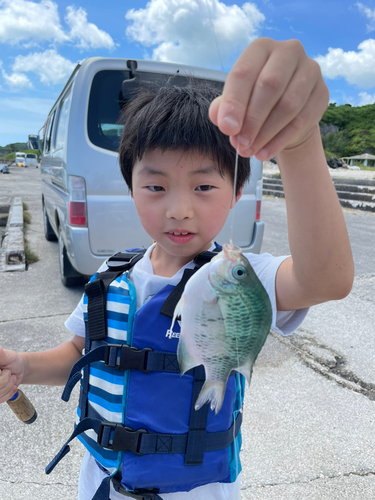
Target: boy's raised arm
pixel 272 102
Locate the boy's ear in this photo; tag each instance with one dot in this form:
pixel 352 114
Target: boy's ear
pixel 239 194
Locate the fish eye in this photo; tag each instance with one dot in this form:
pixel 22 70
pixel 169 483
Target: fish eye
pixel 239 272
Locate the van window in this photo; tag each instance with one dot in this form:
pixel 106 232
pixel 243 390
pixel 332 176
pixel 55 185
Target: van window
pixel 62 122
pixel 47 143
pixel 29 155
pixel 106 101
pixel 104 109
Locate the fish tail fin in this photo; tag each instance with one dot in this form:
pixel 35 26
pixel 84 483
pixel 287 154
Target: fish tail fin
pixel 211 391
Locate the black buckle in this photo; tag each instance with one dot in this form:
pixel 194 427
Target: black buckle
pixel 131 358
pixel 124 438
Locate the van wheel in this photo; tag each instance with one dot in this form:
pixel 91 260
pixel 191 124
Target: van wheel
pixel 68 275
pixel 49 233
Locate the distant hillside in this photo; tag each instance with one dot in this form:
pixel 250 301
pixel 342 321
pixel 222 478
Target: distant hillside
pixel 347 130
pixel 11 148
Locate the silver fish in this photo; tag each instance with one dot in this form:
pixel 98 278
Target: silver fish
pixel 226 316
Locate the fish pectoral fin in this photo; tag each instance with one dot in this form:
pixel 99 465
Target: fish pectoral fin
pixel 211 391
pixel 246 370
pixel 184 358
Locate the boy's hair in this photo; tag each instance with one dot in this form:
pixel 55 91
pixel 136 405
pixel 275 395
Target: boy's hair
pixel 176 118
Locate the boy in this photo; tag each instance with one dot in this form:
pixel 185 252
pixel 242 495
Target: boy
pixel 179 168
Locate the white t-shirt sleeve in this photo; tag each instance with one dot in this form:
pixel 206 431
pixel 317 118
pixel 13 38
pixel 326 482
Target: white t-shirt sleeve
pixel 266 267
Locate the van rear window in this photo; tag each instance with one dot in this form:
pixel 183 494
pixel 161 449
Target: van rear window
pixel 104 109
pixel 106 101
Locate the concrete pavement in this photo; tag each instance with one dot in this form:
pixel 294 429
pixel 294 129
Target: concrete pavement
pixel 309 425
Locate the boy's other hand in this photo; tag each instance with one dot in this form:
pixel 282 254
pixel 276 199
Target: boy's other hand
pixel 11 373
pixel 273 99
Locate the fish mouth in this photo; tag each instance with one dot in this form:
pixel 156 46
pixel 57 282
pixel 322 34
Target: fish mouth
pixel 231 252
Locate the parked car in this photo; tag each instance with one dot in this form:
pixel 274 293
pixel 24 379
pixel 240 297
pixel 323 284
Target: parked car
pixel 31 160
pixel 20 159
pixel 86 203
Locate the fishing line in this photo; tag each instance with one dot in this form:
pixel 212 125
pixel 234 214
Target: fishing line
pixel 234 197
pixel 215 37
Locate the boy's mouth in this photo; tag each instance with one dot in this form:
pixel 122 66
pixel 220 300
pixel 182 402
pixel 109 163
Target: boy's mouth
pixel 180 237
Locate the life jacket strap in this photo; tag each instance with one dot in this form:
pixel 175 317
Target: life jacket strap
pixel 122 357
pixel 118 437
pixel 96 291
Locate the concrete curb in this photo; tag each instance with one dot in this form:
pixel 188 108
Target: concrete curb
pixel 13 247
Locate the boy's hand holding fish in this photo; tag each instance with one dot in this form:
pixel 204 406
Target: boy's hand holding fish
pixel 271 105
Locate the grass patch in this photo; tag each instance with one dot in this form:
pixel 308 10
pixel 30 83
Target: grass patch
pixel 362 167
pixel 30 256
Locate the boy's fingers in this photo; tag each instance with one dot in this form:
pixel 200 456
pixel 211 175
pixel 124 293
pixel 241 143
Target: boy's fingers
pixel 239 86
pixel 7 385
pixel 214 109
pixel 289 105
pixel 6 357
pixel 310 114
pixel 270 88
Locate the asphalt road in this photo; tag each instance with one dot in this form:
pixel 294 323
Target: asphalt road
pixel 309 425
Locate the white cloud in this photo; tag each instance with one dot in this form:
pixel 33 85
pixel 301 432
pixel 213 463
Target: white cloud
pixel 22 20
pixel 17 81
pixel 357 68
pixel 198 32
pixel 29 23
pixel 49 66
pixel 366 98
pixel 87 34
pixel 370 14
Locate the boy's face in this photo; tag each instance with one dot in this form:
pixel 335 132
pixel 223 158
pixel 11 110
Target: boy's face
pixel 182 201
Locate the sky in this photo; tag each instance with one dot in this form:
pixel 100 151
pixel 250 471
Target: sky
pixel 42 41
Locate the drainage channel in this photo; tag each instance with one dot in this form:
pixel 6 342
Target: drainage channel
pixel 12 248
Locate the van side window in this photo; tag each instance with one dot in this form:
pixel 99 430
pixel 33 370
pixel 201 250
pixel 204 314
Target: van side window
pixel 48 136
pixel 62 122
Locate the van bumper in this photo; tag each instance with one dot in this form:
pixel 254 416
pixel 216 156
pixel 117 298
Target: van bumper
pixel 85 262
pixel 79 251
pixel 256 243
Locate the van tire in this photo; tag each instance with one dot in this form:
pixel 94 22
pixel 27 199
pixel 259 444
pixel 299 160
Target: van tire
pixel 49 233
pixel 68 275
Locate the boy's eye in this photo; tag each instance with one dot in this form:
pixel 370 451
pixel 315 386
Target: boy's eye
pixel 205 187
pixel 155 189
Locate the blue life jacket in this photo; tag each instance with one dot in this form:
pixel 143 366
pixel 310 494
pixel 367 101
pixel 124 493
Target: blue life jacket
pixel 136 413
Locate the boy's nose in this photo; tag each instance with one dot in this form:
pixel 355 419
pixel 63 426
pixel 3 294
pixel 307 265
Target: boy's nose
pixel 179 208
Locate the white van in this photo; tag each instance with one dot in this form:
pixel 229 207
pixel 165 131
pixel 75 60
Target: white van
pixel 31 160
pixel 86 203
pixel 20 159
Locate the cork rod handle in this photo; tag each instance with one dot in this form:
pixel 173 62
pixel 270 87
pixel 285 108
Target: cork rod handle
pixel 22 408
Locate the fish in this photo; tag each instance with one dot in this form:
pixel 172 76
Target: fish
pixel 226 315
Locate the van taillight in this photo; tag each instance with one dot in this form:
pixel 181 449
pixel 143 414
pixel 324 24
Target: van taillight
pixel 77 201
pixel 258 197
pixel 257 210
pixel 77 213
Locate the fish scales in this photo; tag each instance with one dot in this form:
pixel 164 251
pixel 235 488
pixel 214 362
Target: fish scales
pixel 225 319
